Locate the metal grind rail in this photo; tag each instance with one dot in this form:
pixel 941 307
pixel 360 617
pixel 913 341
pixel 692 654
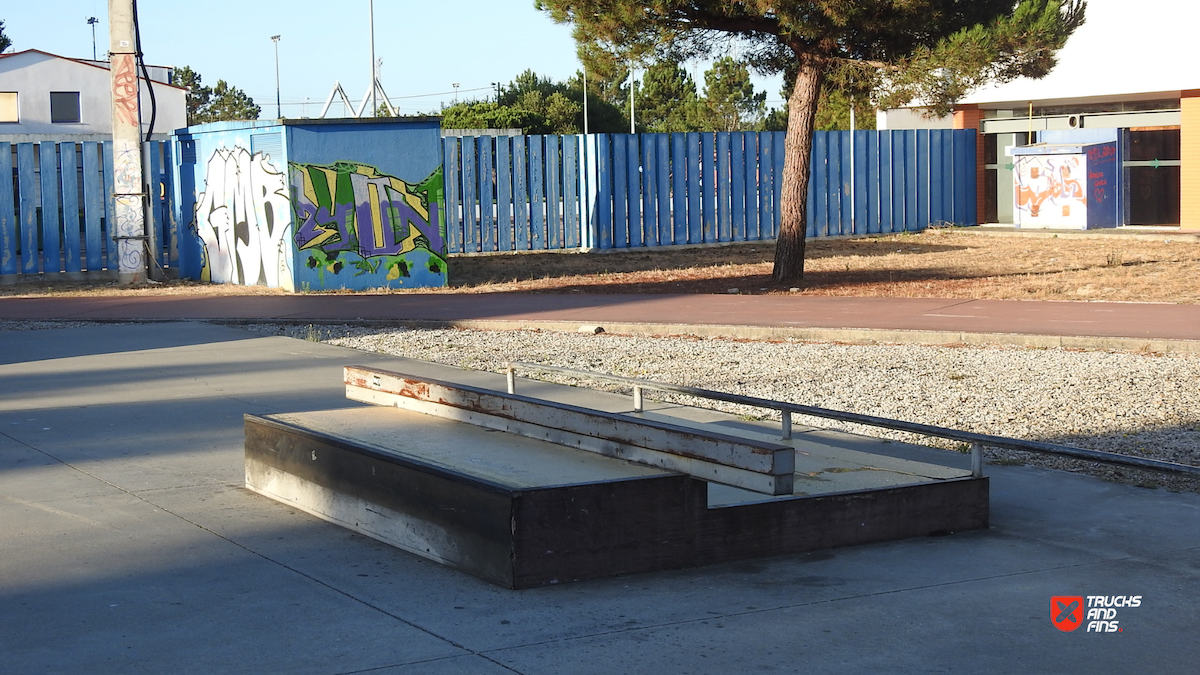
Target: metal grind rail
pixel 977 441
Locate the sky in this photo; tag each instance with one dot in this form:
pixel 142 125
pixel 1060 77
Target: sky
pixel 426 47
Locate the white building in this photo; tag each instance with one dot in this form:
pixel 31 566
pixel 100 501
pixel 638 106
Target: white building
pixel 46 97
pixel 1126 76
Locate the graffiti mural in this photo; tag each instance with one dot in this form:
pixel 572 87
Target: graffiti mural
pixel 243 220
pixel 1049 191
pixel 353 220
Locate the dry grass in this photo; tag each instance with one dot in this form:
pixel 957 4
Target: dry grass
pixel 936 263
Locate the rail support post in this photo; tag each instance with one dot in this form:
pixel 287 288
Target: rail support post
pixel 787 424
pixel 977 460
pixel 511 376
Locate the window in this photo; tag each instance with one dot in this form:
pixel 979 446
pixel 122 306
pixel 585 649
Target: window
pixel 64 107
pixel 8 107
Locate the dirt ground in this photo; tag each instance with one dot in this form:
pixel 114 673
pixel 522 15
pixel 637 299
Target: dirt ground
pixel 944 263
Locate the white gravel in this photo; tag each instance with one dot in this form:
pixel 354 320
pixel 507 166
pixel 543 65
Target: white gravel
pixel 1132 403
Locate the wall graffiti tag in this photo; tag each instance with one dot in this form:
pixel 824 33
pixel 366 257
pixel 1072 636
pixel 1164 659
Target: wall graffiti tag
pixel 353 219
pixel 243 220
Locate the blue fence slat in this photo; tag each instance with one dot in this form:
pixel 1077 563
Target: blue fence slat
pixel 777 140
pixel 887 193
pixel 966 175
pixel 537 193
pixel 679 171
pixel 937 180
pixel 470 191
pixel 634 186
pixel 51 227
pixel 451 179
pixel 484 172
pixel 154 218
pixel 72 254
pixel 872 184
pixel 861 186
pixel 921 182
pixel 737 186
pixel 8 221
pixel 750 184
pixel 766 171
pixel 708 186
pixel 899 182
pixel 605 179
pixel 649 191
pixel 695 221
pixel 504 194
pixel 964 160
pixel 845 214
pixel 110 246
pixel 27 199
pixel 723 192
pixel 620 192
pixel 911 181
pixel 818 191
pixel 948 163
pixel 554 235
pixel 833 182
pixel 572 232
pixel 662 175
pixel 520 197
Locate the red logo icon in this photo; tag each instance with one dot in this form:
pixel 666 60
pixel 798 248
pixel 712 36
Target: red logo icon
pixel 1066 612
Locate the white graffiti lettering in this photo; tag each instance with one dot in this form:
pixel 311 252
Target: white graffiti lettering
pixel 243 218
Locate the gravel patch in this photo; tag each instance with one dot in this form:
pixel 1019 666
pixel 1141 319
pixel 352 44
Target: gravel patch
pixel 1131 403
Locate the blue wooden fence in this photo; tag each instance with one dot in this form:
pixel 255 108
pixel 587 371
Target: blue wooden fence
pixel 621 191
pixel 56 208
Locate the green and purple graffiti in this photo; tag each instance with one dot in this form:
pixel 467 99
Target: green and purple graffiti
pixel 351 214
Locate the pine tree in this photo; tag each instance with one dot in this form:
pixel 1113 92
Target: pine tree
pixel 730 102
pixel 5 42
pixel 221 103
pixel 936 51
pixel 666 100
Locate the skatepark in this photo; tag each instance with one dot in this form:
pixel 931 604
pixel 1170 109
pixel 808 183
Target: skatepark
pixel 132 544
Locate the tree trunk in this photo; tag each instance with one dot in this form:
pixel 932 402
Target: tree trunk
pixel 797 157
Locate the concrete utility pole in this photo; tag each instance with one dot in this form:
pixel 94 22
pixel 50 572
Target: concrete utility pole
pixel 129 226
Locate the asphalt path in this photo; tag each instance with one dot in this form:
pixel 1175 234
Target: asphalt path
pixel 1127 321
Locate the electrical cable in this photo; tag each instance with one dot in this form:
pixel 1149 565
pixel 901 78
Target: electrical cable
pixel 146 201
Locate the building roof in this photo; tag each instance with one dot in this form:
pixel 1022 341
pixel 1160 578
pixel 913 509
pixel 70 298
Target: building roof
pixel 101 65
pixel 1123 51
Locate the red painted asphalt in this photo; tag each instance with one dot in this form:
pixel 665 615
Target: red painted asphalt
pixel 1088 319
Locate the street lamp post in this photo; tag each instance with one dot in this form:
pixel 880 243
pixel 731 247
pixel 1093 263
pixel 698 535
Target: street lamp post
pixel 278 104
pixel 92 21
pixel 374 75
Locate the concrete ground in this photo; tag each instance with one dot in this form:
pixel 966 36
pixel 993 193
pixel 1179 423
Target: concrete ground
pixel 128 545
